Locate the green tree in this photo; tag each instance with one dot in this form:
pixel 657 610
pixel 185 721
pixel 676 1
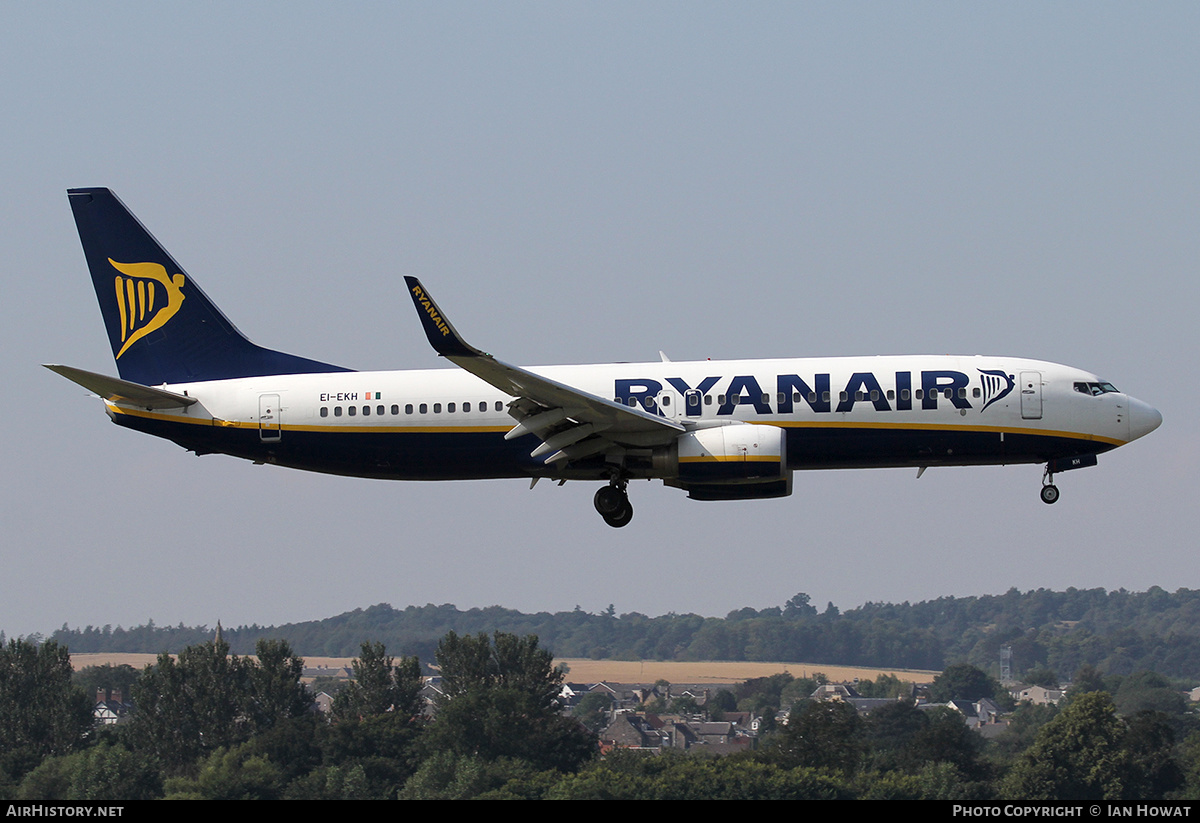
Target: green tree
pixel 380 685
pixel 229 774
pixel 333 783
pixel 890 733
pixel 42 713
pixel 1148 691
pixel 107 677
pixel 1023 727
pixel 1079 755
pixel 822 734
pixel 962 681
pixel 1150 741
pixel 189 707
pixel 500 700
pixel 886 685
pixel 799 606
pixel 1086 679
pixel 385 746
pixel 101 773
pixel 276 692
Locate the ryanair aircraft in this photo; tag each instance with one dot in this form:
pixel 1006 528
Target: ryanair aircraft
pixel 720 430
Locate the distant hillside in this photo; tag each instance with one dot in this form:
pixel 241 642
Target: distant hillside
pixel 1118 632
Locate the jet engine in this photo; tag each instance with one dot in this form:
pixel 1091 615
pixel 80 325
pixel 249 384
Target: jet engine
pixel 730 462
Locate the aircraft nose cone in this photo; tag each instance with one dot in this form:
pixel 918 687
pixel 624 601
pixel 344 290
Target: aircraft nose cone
pixel 1143 419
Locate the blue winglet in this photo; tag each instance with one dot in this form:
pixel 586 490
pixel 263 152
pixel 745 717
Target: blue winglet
pixel 442 336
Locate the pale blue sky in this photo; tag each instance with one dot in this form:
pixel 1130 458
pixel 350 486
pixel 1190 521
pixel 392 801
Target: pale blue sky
pixel 582 182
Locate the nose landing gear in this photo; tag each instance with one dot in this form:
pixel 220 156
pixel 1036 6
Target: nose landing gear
pixel 1049 490
pixel 612 502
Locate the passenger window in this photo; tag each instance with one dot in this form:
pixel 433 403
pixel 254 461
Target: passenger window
pixel 874 394
pixel 708 399
pixel 379 409
pixel 408 408
pixel 466 407
pixel 352 410
pixel 499 406
pixel 891 395
pixel 424 408
pixel 366 411
pixel 824 397
pixel 919 394
pixel 905 394
pixel 450 408
pixel 843 397
pixel 324 411
pixel 975 392
pixel 337 411
pixel 395 410
pixel 437 408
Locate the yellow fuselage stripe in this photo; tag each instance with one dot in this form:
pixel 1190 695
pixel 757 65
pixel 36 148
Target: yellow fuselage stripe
pixel 787 424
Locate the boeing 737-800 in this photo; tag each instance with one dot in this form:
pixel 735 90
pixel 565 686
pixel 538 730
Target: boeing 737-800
pixel 719 430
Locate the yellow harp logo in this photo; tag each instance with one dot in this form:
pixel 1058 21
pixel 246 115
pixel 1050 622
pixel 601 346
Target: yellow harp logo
pixel 146 299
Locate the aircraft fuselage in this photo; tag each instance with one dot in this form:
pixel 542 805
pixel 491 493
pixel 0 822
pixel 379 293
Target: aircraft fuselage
pixel 870 412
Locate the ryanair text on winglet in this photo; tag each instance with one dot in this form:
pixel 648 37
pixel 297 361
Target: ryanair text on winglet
pixel 431 310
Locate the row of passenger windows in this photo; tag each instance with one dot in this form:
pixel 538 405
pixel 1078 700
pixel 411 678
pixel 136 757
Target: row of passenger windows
pixel 409 408
pixel 693 399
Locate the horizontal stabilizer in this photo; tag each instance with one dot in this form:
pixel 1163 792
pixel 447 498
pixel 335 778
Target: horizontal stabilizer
pixel 120 391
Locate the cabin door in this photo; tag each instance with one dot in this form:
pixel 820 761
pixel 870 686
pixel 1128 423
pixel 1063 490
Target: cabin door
pixel 1031 395
pixel 669 404
pixel 269 419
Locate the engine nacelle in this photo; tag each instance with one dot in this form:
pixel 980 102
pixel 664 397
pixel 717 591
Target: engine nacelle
pixel 734 462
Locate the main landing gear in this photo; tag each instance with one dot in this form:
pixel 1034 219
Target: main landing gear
pixel 1049 490
pixel 612 501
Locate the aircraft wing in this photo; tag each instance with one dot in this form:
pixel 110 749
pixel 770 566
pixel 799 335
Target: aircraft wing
pixel 115 390
pixel 571 423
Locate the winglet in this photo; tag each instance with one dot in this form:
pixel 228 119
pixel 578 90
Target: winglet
pixel 442 336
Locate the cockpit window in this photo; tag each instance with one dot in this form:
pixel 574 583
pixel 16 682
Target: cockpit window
pixel 1094 389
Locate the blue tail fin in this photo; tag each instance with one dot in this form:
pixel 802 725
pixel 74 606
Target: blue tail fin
pixel 162 327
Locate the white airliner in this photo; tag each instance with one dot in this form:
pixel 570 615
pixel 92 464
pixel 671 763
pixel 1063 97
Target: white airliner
pixel 720 430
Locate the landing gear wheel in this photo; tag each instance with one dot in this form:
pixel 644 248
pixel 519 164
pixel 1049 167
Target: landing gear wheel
pixel 609 500
pixel 621 518
pixel 612 502
pixel 1049 493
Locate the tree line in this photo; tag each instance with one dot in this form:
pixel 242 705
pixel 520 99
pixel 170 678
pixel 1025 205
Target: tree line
pixel 1117 632
pixel 209 724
